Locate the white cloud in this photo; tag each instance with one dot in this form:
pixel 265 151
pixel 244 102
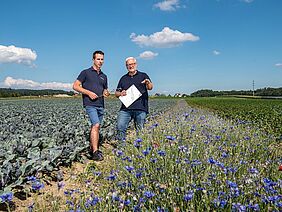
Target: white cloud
pixel 148 55
pixel 166 38
pixel 168 5
pixel 30 84
pixel 13 54
pixel 278 64
pixel 215 52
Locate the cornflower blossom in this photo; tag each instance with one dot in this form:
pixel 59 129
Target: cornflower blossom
pixel 60 185
pixel 182 148
pixel 119 153
pixel 30 207
pixel 129 168
pixel 169 137
pixel 153 160
pixel 220 203
pixel 161 153
pixel 253 171
pixel 31 178
pixel 6 197
pixel 97 173
pixel 238 207
pixel 149 194
pixel 111 177
pixel 36 186
pixel 146 151
pixel 188 196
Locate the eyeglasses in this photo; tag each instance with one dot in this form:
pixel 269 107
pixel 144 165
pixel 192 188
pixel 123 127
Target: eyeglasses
pixel 130 64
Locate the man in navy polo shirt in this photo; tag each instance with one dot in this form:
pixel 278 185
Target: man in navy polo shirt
pixel 93 85
pixel 138 109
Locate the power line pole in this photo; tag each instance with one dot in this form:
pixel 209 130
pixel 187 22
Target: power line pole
pixel 253 87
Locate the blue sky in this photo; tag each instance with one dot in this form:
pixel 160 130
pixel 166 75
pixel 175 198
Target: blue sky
pixel 183 45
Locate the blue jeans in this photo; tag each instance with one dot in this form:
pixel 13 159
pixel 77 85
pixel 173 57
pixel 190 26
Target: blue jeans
pixel 124 117
pixel 95 114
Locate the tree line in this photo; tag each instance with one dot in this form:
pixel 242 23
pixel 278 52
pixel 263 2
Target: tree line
pixel 9 92
pixel 258 92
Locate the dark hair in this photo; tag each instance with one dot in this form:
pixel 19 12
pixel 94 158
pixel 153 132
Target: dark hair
pixel 97 52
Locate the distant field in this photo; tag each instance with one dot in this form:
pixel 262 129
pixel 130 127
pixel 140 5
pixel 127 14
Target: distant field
pixel 264 113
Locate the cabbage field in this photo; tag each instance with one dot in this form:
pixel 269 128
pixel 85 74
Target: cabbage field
pixel 39 135
pixel 186 159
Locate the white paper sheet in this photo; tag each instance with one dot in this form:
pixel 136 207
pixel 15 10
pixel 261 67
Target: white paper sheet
pixel 132 94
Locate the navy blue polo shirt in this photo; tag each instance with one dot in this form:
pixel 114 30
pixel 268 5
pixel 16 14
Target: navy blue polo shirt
pixel 95 82
pixel 126 81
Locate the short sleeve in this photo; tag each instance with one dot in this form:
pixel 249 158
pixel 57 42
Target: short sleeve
pixel 81 77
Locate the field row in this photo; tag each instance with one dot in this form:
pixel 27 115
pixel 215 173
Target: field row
pixel 263 113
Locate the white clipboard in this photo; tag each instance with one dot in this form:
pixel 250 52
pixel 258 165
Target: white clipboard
pixel 132 94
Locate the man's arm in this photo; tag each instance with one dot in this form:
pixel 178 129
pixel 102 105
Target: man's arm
pixel 78 87
pixel 148 83
pixel 120 93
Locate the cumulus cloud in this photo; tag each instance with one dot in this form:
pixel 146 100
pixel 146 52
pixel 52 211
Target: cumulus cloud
pixel 278 65
pixel 148 55
pixel 168 5
pixel 30 84
pixel 13 54
pixel 167 38
pixel 215 52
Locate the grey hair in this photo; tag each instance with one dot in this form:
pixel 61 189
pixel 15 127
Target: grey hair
pixel 130 58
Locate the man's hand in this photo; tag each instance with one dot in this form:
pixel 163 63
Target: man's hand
pixel 92 95
pixel 146 81
pixel 106 93
pixel 123 93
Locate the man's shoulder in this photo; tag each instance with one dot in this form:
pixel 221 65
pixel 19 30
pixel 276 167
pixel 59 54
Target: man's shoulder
pixel 142 73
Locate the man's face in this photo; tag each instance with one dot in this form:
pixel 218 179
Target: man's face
pixel 98 61
pixel 131 65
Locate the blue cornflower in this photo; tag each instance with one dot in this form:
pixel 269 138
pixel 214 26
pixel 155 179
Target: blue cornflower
pixel 220 203
pixel 138 174
pixel 138 140
pixel 126 202
pixel 253 171
pixel 149 194
pixel 30 207
pixel 146 152
pixel 238 206
pixel 211 161
pixel 31 178
pixel 119 153
pixel 37 186
pixel 196 162
pixel 161 152
pixel 231 184
pixel 169 137
pixel 129 168
pixel 60 185
pixel 6 197
pixel 182 148
pixel 97 173
pixel 111 177
pixel 153 160
pixel 224 155
pixel 217 137
pixel 94 201
pixel 188 196
pixel 254 207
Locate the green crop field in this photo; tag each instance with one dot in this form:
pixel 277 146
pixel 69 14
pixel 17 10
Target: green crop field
pixel 221 156
pixel 263 113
